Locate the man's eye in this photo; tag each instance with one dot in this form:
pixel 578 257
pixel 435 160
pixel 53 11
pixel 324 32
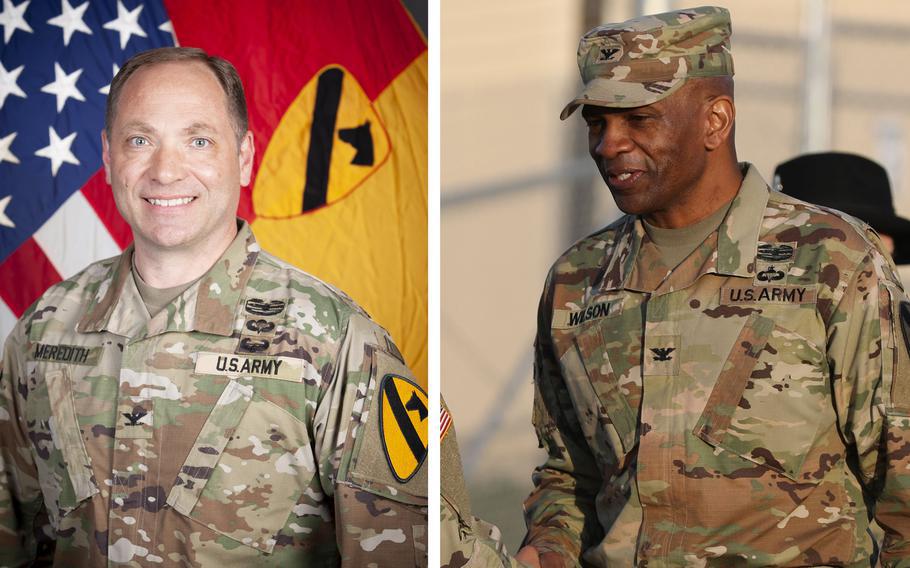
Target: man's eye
pixel 138 141
pixel 201 143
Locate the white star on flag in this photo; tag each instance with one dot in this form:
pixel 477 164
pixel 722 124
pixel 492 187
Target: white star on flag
pixel 8 84
pixel 126 23
pixel 4 220
pixel 12 18
pixel 58 151
pixel 106 90
pixel 71 21
pixel 168 27
pixel 64 86
pixel 5 154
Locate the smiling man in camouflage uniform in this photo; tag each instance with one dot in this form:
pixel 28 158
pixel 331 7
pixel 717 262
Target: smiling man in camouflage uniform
pixel 196 401
pixel 721 375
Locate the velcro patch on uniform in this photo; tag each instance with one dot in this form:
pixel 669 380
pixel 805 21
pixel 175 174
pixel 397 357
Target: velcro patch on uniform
pixel 662 356
pixel 230 365
pixel 731 295
pixel 66 354
pixel 770 273
pixel 259 307
pixel 259 326
pixel 565 319
pixel 775 252
pixel 249 344
pixel 403 425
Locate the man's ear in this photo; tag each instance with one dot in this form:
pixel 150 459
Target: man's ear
pixel 720 115
pixel 246 153
pixel 106 156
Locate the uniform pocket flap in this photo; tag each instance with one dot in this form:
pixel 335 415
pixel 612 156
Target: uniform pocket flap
pixel 592 351
pixel 390 448
pixel 766 402
pixel 67 436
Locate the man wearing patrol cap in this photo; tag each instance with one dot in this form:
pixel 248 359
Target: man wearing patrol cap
pixel 721 375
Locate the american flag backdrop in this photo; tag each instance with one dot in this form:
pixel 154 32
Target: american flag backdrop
pixel 363 227
pixel 56 63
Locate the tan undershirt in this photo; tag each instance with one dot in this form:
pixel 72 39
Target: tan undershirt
pixel 156 298
pixel 676 244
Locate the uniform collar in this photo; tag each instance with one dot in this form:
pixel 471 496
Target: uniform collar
pixel 209 306
pixel 737 236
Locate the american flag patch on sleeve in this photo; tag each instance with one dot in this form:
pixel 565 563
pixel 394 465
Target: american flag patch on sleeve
pixel 445 422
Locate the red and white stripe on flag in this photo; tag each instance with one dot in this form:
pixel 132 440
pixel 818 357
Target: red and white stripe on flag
pixel 70 240
pixel 445 422
pixel 57 61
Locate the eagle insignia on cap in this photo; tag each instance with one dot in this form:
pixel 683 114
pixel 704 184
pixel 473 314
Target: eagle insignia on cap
pixel 609 54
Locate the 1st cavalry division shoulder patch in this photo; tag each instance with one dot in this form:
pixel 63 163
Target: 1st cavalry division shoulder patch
pixel 403 425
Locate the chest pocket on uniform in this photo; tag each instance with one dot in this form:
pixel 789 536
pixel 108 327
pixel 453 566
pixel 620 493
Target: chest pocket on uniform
pixel 62 460
pixel 769 398
pixel 603 409
pixel 247 469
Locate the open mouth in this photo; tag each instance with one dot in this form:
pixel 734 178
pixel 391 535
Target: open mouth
pixel 623 178
pixel 177 201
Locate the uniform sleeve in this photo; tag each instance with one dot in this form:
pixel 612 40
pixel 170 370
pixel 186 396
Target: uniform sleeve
pixel 24 526
pixel 380 513
pixel 560 511
pixel 868 359
pixel 465 541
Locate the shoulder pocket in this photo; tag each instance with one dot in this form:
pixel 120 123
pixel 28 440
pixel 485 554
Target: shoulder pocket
pixel 389 452
pixel 769 398
pixel 247 469
pixel 388 457
pixel 63 463
pixel 896 340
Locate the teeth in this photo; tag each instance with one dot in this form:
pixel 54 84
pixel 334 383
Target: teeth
pixel 624 176
pixel 170 202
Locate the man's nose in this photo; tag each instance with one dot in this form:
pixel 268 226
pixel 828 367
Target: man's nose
pixel 168 165
pixel 614 140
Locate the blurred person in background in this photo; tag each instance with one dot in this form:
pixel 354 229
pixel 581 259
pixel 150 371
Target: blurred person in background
pixel 855 185
pixel 719 374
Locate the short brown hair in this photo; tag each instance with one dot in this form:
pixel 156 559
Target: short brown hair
pixel 225 73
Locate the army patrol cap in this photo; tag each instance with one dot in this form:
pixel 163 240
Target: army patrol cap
pixel 643 60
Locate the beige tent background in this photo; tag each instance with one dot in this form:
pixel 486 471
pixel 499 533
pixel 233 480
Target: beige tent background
pixel 518 187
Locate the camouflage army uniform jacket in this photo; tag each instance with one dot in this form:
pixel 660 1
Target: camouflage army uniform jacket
pixel 747 408
pixel 238 427
pixel 465 541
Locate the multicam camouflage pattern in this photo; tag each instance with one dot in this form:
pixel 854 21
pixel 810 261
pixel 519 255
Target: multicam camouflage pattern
pixel 465 541
pixel 640 61
pixel 742 409
pixel 122 444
